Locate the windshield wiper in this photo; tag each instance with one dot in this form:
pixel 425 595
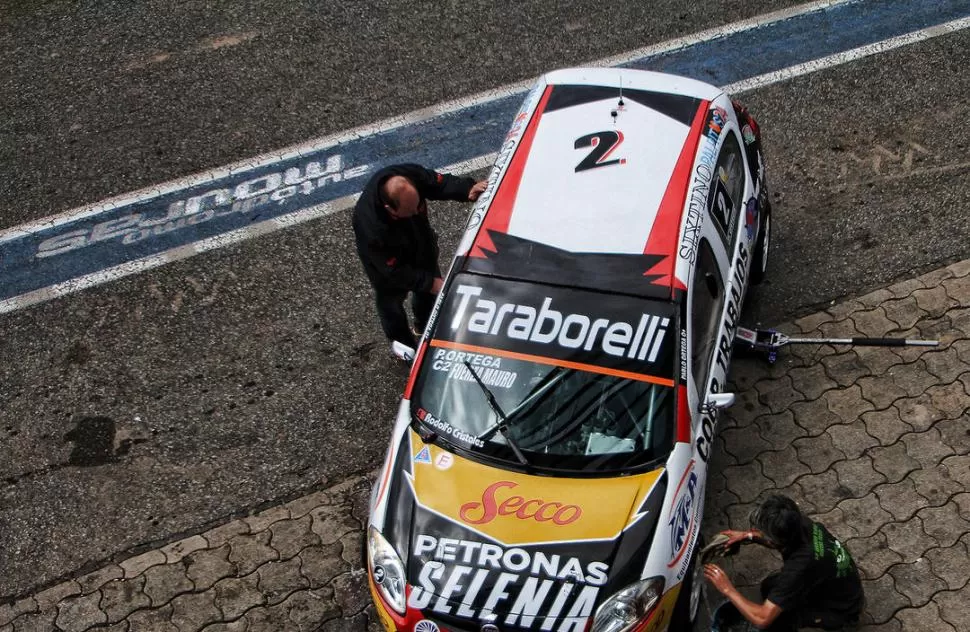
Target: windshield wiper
pixel 541 390
pixel 538 393
pixel 503 423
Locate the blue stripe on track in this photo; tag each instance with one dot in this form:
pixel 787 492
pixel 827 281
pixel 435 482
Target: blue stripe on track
pixel 124 234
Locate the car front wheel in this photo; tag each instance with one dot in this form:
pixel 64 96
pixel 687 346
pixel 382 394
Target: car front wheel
pixel 689 600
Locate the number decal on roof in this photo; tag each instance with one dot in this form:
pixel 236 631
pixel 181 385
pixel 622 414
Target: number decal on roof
pixel 603 144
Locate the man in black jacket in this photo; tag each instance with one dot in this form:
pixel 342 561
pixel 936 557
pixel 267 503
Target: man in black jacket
pixel 397 245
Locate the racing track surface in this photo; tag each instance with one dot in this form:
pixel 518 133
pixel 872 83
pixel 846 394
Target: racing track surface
pixel 144 409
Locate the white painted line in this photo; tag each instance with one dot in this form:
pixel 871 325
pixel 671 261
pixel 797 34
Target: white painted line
pixel 344 203
pixel 218 241
pixel 846 56
pixel 474 164
pixel 409 118
pixel 719 32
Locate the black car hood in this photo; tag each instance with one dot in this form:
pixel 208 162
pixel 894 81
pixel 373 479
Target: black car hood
pixel 459 574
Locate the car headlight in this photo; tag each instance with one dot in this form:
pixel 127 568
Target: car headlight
pixel 624 610
pixel 386 569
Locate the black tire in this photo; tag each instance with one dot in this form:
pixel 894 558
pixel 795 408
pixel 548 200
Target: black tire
pixel 759 267
pixel 685 613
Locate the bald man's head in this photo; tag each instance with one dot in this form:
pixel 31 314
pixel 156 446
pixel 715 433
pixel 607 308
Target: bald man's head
pixel 401 198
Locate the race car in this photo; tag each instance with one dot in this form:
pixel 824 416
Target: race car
pixel 548 462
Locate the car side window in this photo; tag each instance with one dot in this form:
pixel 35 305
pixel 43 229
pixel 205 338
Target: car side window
pixel 724 199
pixel 707 304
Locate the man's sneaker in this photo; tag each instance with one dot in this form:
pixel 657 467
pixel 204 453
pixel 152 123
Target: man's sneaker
pixel 402 351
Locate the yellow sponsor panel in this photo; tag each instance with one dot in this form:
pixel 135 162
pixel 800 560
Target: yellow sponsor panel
pixel 516 508
pixel 664 611
pixel 382 614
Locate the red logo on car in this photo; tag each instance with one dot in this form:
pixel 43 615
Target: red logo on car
pixel 535 508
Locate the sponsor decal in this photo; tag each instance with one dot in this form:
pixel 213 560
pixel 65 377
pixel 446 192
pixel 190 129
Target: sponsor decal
pixel 245 197
pixel 537 590
pixel 682 523
pixel 446 428
pixel 553 323
pixel 424 625
pixel 444 461
pixel 466 480
pixel 488 368
pixel 684 350
pixel 505 154
pixel 700 184
pixel 477 213
pixel 663 611
pixel 424 456
pixel 603 144
pixel 751 218
pixel 748 134
pixel 494 504
pixel 733 316
pixel 706 437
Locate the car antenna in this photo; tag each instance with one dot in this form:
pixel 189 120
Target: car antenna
pixel 619 104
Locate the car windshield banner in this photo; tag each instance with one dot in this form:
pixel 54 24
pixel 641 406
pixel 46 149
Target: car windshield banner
pixel 586 330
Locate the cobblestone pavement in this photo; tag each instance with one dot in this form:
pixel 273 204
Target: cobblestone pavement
pixel 873 442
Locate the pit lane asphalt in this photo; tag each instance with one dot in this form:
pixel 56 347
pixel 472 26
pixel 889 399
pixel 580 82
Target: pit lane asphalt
pixel 256 373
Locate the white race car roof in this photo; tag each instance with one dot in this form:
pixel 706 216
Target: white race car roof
pixel 635 80
pixel 591 168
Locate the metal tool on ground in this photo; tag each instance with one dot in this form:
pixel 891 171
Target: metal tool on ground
pixel 770 341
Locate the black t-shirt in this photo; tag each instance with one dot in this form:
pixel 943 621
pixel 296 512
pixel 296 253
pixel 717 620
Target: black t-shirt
pixel 818 582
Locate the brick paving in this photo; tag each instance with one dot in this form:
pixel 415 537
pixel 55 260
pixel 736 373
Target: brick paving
pixel 873 442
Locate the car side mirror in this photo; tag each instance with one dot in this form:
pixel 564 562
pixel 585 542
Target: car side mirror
pixel 716 401
pixel 403 351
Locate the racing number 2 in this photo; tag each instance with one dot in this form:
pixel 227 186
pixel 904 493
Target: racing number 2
pixel 603 144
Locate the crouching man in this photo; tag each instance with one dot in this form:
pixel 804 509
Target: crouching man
pixel 818 585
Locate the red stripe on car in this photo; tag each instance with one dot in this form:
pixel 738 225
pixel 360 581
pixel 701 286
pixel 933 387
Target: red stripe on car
pixel 500 212
pixel 683 415
pixel 666 228
pixel 414 370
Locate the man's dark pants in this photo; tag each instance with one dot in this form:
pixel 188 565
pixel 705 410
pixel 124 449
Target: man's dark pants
pixel 394 320
pixel 805 618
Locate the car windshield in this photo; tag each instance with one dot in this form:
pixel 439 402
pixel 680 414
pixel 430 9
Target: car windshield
pixel 582 381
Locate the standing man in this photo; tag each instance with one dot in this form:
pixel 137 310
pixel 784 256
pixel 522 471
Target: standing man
pixel 397 245
pixel 818 585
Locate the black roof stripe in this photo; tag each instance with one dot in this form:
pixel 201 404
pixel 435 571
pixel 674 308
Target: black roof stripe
pixel 519 258
pixel 678 107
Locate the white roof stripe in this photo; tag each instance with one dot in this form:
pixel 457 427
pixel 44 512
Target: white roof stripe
pixel 634 80
pixel 608 209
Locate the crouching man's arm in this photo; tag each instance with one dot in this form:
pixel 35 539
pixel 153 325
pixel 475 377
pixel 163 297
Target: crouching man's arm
pixel 760 615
